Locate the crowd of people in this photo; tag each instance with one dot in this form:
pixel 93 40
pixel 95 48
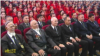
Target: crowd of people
pixel 69 24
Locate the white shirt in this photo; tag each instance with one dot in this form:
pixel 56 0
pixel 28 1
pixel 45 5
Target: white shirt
pixel 52 26
pixel 37 30
pixel 10 35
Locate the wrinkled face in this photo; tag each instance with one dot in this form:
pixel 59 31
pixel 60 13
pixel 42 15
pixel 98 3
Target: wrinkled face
pixel 10 27
pixel 26 19
pixel 3 15
pixel 35 24
pixel 54 22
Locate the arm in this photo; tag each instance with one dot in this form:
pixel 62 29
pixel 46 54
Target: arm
pixel 31 42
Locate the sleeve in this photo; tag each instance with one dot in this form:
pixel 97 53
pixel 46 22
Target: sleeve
pixel 31 42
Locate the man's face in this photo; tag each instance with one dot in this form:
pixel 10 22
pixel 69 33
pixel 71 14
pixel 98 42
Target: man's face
pixel 64 16
pixel 81 18
pixel 35 24
pixel 68 21
pixel 26 19
pixel 93 18
pixel 74 15
pixel 10 27
pixel 55 22
pixel 40 18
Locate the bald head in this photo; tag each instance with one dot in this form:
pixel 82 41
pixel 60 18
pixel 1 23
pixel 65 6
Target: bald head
pixel 54 21
pixel 34 24
pixel 10 26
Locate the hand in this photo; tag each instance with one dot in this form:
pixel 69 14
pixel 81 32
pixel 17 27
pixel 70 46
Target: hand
pixel 77 39
pixel 99 34
pixel 69 43
pixel 91 36
pixel 56 47
pixel 88 36
pixel 73 40
pixel 41 52
pixel 34 54
pixel 61 45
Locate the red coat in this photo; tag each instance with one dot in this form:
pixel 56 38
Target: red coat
pixel 3 21
pixel 17 21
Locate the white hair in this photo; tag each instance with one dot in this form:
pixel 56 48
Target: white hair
pixel 53 18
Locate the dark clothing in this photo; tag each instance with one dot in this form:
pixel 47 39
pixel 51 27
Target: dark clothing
pixel 56 35
pixel 38 42
pixel 68 31
pixel 7 43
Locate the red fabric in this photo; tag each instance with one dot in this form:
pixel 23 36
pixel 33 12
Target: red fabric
pixel 85 17
pixel 16 20
pixel 8 11
pixel 61 24
pixel 44 27
pixel 2 21
pixel 25 30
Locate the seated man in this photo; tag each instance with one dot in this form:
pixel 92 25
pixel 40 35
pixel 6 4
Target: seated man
pixel 55 33
pixel 74 17
pixel 25 23
pixel 40 22
pixel 68 32
pixel 82 30
pixel 13 44
pixel 38 40
pixel 95 29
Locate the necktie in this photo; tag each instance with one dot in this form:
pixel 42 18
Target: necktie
pixel 94 23
pixel 27 24
pixel 83 24
pixel 55 29
pixel 70 28
pixel 41 24
pixel 16 41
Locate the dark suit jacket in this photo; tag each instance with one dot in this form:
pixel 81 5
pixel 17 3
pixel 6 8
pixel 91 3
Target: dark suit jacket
pixel 43 23
pixel 7 43
pixel 36 43
pixel 48 22
pixel 57 38
pixel 95 29
pixel 3 28
pixel 60 21
pixel 73 20
pixel 80 30
pixel 67 32
pixel 22 26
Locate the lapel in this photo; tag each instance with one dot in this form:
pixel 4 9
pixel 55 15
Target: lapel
pixel 24 25
pixel 53 30
pixel 68 28
pixel 11 43
pixel 41 36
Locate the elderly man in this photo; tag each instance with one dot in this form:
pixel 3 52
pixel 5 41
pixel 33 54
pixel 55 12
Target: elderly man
pixel 55 33
pixel 8 18
pixel 40 42
pixel 13 44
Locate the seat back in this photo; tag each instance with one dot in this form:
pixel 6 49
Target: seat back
pixel 16 31
pixel 25 30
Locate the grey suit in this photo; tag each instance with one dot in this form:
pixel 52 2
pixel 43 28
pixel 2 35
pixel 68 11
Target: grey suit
pixel 41 42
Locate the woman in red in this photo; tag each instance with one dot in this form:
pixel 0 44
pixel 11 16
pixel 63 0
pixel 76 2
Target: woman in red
pixel 82 10
pixel 13 14
pixel 25 12
pixel 3 15
pixel 9 9
pixel 96 14
pixel 2 9
pixel 20 8
pixel 34 13
pixel 75 10
pixel 18 19
pixel 86 15
pixel 60 13
pixel 30 15
pixel 28 7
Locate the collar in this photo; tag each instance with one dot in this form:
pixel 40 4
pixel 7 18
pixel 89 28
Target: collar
pixel 36 29
pixel 52 26
pixel 11 34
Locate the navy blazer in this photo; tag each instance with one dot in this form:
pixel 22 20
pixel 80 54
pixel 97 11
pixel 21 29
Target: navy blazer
pixel 80 30
pixel 94 28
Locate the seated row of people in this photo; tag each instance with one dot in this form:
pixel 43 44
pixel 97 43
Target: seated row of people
pixel 55 40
